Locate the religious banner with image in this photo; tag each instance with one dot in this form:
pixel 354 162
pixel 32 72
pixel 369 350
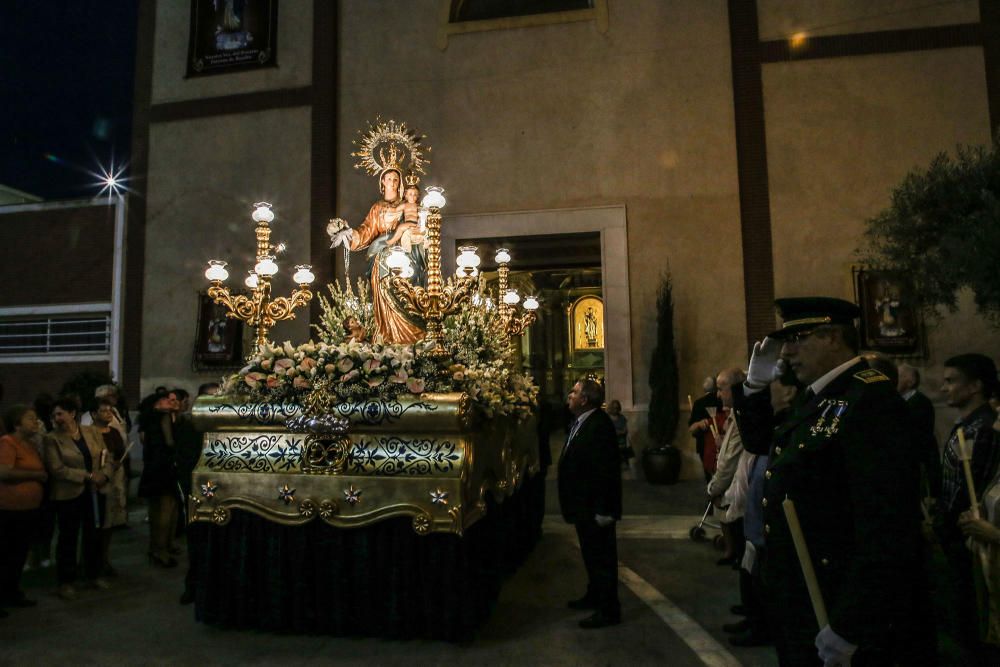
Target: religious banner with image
pixel 890 322
pixel 232 35
pixel 219 340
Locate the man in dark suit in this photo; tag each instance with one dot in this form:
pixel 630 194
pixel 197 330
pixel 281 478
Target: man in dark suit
pixel 843 456
pixel 590 495
pixel 922 422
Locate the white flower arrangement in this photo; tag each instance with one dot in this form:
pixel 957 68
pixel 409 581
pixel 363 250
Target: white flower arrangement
pixel 479 364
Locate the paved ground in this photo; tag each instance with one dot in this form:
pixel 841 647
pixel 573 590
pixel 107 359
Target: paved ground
pixel 674 601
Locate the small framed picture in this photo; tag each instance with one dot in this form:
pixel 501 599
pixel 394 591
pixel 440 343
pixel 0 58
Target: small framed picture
pixel 231 36
pixel 890 319
pixel 219 339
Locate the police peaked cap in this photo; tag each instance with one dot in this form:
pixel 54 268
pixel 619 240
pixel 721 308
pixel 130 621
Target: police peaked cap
pixel 808 312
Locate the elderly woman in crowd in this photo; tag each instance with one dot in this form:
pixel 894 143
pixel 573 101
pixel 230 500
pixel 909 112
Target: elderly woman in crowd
pixel 109 392
pixel 22 478
pixel 117 488
pixel 158 484
pixel 79 467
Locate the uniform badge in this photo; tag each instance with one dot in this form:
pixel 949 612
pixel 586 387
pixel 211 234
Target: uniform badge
pixel 871 375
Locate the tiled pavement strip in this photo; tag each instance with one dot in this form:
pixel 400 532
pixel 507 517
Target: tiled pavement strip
pixel 710 651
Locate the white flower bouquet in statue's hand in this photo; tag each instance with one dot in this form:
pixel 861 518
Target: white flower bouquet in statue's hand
pixel 339 232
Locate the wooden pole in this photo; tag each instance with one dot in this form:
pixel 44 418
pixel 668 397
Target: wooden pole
pixel 963 453
pixel 966 457
pixel 802 551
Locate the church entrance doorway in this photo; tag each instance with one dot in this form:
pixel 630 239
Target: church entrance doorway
pixel 564 272
pixel 575 259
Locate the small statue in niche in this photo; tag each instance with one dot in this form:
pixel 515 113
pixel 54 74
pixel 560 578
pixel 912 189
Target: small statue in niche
pixel 590 327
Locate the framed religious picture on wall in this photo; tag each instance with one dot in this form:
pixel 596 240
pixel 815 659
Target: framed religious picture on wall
pixel 218 339
pixel 232 35
pixel 890 319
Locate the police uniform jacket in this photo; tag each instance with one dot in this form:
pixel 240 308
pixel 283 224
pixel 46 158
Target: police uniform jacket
pixel 843 457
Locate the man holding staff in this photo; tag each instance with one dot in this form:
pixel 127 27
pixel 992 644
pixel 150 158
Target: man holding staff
pixel 968 381
pixel 841 455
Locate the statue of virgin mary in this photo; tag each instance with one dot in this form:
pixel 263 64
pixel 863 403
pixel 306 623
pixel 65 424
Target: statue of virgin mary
pixel 383 229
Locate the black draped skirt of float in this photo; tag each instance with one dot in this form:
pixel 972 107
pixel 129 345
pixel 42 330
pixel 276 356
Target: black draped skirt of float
pixel 383 580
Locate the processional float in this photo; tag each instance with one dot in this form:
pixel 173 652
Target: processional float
pixel 407 410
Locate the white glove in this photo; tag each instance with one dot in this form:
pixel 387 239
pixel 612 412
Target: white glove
pixel 834 650
pixel 603 521
pixel 765 364
pixel 343 237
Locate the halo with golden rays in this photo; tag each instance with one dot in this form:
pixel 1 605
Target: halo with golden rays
pixel 387 145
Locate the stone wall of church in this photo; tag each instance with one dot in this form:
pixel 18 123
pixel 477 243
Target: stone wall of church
pixel 842 132
pixel 780 19
pixel 204 175
pixel 294 56
pixel 562 117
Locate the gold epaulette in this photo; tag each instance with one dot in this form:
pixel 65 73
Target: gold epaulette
pixel 871 375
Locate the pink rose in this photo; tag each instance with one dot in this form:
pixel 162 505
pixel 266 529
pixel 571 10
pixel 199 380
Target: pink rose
pixel 266 364
pixel 281 366
pixel 347 377
pixel 415 385
pixel 253 379
pixel 371 365
pixel 272 381
pixel 399 377
pixel 301 383
pixel 307 364
pixel 375 380
pixel 345 364
pixel 329 368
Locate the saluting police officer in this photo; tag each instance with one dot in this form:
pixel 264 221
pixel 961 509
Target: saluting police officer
pixel 841 454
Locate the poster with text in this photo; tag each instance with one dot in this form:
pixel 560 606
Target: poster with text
pixel 232 35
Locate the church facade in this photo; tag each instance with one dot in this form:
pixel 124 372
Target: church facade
pixel 736 146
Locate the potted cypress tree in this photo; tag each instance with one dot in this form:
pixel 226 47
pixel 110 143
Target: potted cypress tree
pixel 661 463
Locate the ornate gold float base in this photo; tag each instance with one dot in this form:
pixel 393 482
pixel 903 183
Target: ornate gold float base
pixel 427 457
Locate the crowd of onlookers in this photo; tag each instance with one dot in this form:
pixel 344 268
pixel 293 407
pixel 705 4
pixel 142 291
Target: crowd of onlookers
pixel 65 470
pixel 65 473
pixel 961 559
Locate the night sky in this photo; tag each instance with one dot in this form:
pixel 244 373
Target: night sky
pixel 66 72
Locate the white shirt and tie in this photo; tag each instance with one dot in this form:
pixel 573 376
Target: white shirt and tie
pixel 575 427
